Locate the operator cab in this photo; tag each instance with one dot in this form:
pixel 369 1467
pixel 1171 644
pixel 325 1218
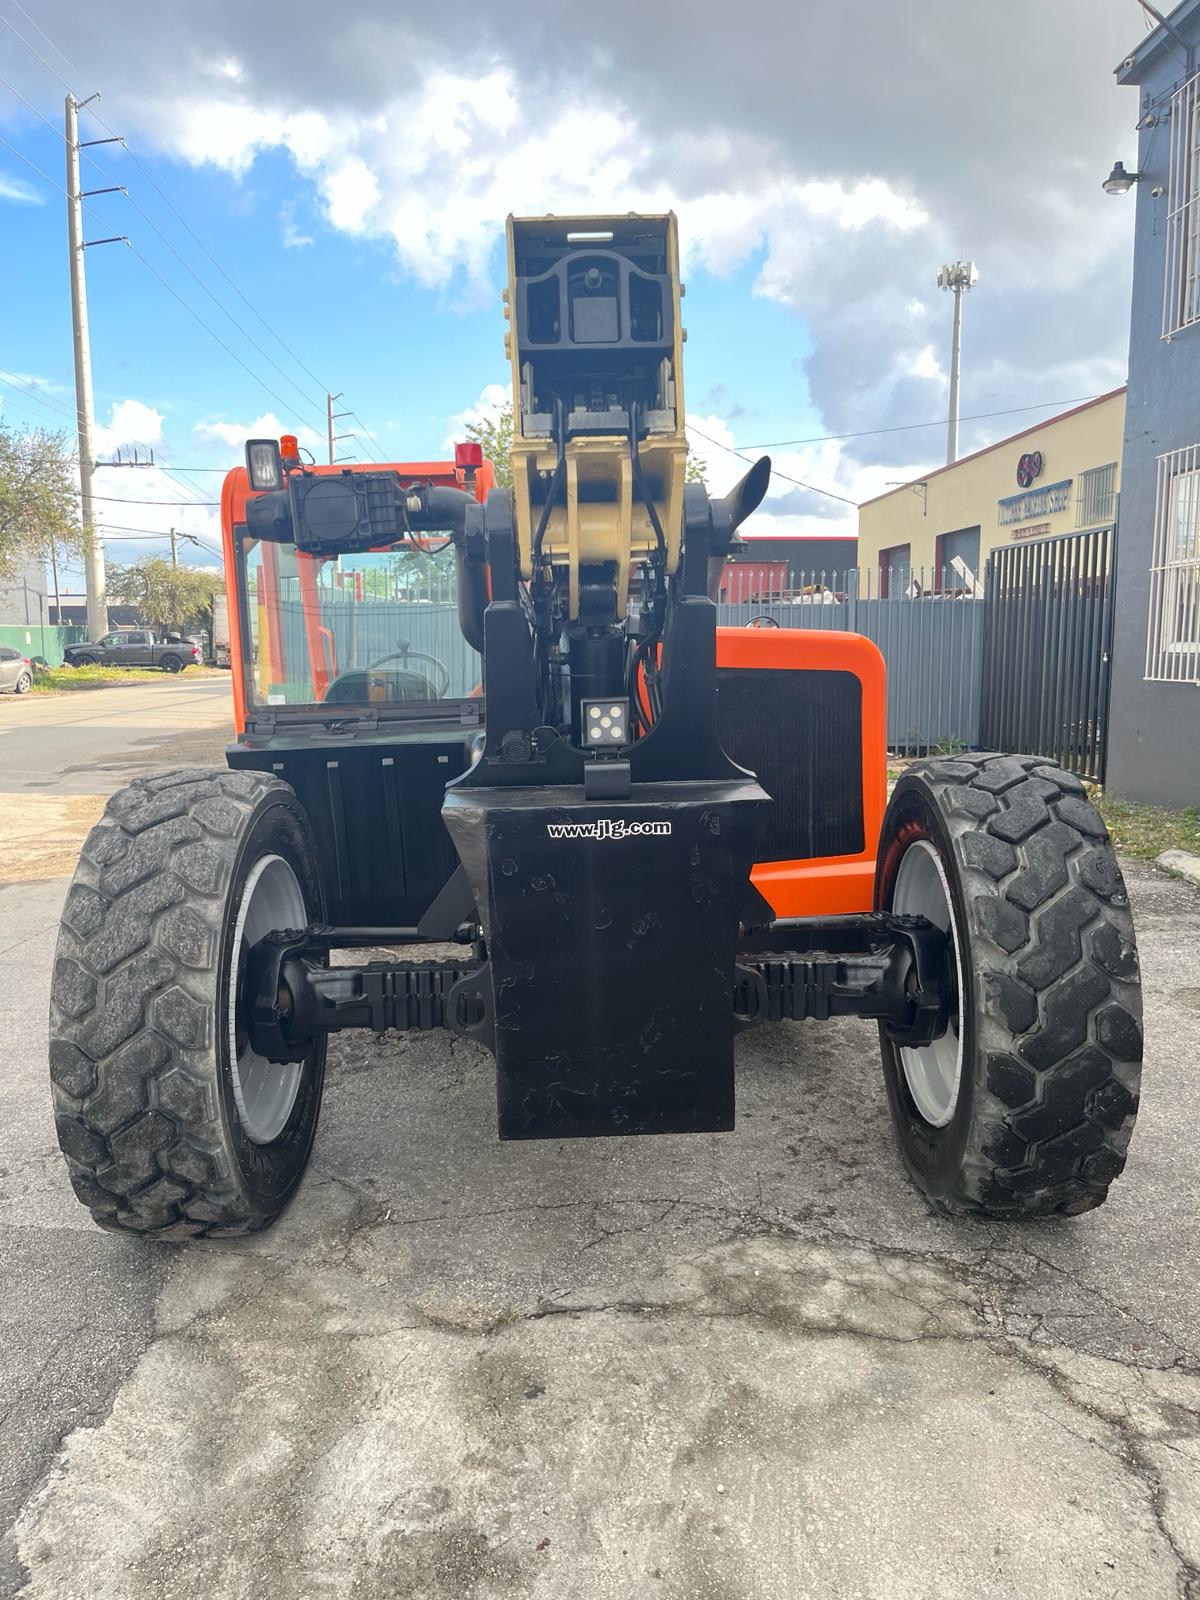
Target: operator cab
pixel 353 679
pixel 375 630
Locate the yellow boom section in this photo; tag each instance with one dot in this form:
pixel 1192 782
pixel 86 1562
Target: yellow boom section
pixel 595 342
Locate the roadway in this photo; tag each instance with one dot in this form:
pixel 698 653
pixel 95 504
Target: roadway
pixel 91 741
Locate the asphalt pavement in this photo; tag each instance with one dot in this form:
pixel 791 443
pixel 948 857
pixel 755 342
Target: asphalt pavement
pixel 93 741
pixel 748 1366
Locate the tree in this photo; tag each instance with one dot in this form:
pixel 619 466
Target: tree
pixel 165 596
pixel 38 514
pixel 495 435
pixel 696 469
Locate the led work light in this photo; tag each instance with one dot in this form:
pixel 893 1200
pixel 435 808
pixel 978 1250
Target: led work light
pixel 605 724
pixel 264 466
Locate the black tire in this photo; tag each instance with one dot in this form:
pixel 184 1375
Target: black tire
pixel 83 661
pixel 144 1095
pixel 171 664
pixel 24 683
pixel 1050 1009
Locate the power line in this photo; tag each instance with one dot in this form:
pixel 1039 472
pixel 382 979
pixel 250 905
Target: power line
pixel 905 427
pixel 121 500
pixel 38 415
pixel 195 315
pixel 133 156
pixel 799 482
pixel 193 489
pixel 158 232
pixel 51 70
pixel 378 447
pixel 166 199
pixel 34 389
pixel 184 222
pixel 118 530
pixel 286 404
pixel 33 164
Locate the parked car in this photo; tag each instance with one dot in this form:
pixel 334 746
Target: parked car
pixel 135 647
pixel 16 671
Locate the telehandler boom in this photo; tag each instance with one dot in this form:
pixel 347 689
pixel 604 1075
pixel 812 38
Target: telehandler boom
pixel 640 833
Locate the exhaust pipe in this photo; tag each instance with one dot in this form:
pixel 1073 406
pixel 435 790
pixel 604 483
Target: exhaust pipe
pixel 747 495
pixel 729 512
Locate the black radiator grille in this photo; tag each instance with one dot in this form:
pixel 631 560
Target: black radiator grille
pixel 801 733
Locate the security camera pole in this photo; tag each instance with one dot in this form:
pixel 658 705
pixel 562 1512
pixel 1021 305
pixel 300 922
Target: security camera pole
pixel 958 275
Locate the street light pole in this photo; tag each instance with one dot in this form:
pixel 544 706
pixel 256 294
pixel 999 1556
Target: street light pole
pixel 957 276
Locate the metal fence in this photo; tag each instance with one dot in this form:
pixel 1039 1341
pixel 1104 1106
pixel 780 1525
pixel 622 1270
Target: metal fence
pixel 420 620
pixel 1048 641
pixel 930 636
pixel 40 639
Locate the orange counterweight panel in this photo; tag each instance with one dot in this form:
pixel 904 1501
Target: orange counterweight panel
pixel 823 886
pixel 235 491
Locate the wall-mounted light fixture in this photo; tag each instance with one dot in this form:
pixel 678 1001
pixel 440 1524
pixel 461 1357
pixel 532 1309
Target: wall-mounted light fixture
pixel 1119 181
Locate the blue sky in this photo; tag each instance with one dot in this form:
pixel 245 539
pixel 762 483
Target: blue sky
pixel 361 214
pixel 409 359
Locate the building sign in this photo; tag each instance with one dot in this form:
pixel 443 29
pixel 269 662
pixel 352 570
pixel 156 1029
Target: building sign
pixel 1034 530
pixel 1029 467
pixel 1043 502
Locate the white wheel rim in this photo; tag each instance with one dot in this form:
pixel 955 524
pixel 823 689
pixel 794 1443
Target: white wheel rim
pixel 933 1072
pixel 265 1091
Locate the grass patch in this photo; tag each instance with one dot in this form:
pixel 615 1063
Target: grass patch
pixel 60 680
pixel 1147 831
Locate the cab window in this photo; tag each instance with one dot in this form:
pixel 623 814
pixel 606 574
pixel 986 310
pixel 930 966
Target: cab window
pixel 380 628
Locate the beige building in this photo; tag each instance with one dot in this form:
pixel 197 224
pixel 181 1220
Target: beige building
pixel 1057 477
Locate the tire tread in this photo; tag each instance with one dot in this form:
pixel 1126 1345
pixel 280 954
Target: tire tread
pixel 133 1003
pixel 1060 1026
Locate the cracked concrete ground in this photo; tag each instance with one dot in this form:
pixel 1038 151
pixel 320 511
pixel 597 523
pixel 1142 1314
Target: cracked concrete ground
pixel 751 1366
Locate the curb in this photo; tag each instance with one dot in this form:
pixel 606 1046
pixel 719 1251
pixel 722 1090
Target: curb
pixel 1181 864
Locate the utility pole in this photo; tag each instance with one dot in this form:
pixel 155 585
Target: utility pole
pixel 57 601
pixel 957 276
pixel 93 546
pixel 332 418
pixel 174 550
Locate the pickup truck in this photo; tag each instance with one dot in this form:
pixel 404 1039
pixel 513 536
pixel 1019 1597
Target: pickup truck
pixel 135 647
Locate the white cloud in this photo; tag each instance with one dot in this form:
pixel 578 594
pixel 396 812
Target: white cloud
pixel 130 423
pixel 493 398
pixel 925 364
pixel 232 436
pixel 864 147
pixel 20 192
pixel 351 192
pixel 293 239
